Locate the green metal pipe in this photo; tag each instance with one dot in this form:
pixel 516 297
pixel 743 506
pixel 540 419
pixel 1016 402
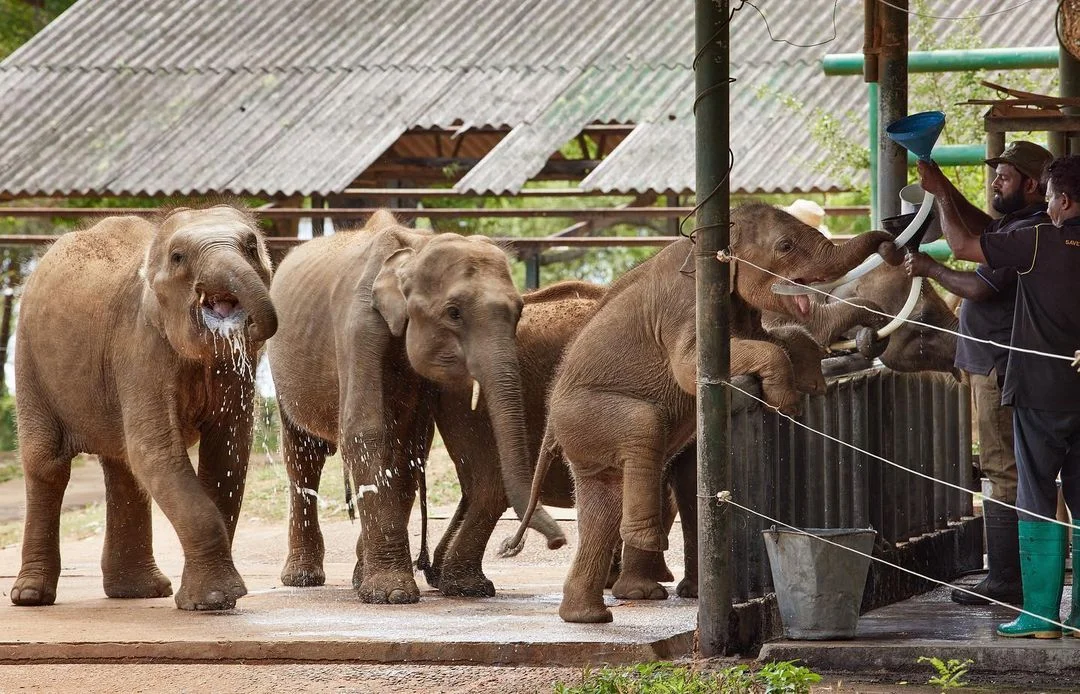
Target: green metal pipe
pixel 938 250
pixel 955 155
pixel 872 96
pixel 953 60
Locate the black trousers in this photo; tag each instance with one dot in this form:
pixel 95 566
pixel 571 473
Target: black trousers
pixel 1047 445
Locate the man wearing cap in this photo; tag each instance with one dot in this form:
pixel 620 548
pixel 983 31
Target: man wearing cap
pixel 987 313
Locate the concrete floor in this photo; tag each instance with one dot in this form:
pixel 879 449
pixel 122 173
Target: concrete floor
pixel 520 626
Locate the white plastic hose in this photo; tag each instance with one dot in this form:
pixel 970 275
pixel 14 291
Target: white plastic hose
pixel 890 327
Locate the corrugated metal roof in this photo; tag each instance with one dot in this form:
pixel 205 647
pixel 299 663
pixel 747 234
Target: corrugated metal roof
pixel 193 96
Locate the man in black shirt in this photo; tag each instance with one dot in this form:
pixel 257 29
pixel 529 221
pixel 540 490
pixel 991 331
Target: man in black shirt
pixel 1044 391
pixel 987 313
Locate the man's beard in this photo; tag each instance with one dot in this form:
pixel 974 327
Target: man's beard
pixel 1010 204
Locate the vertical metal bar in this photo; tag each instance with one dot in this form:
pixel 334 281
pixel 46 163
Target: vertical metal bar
pixel 893 99
pixel 871 45
pixel 872 96
pixel 1069 74
pixel 771 446
pixel 830 462
pixel 964 415
pixel 939 422
pixel 755 466
pixel 532 271
pixel 742 446
pixel 894 481
pixel 916 490
pixel 845 456
pixel 862 480
pixel 712 137
pixel 813 468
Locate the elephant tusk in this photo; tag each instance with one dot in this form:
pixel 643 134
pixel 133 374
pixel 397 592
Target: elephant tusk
pixel 868 264
pixel 892 326
pixel 475 393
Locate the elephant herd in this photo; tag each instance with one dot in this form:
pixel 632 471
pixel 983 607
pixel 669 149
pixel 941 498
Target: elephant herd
pixel 138 338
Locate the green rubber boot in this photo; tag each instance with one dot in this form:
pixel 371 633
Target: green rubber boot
pixel 1042 565
pixel 1074 615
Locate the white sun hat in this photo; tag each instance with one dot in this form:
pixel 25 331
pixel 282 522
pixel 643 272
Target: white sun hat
pixel 808 212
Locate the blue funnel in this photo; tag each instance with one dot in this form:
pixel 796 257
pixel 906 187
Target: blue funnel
pixel 917 132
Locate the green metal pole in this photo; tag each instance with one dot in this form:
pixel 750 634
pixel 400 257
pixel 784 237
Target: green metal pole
pixel 953 61
pixel 713 338
pixel 955 155
pixel 892 105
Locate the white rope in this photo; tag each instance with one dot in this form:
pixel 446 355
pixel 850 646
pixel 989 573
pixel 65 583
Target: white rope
pixel 963 16
pixel 957 487
pixel 725 497
pixel 724 256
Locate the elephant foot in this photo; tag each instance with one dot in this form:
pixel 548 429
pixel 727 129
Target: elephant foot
pixel 466 586
pixel 686 588
pixel 302 572
pixel 432 575
pixel 647 536
pixel 34 587
pixel 584 614
pixel 638 588
pixel 358 574
pixel 389 587
pixel 146 583
pixel 213 587
pixel 661 573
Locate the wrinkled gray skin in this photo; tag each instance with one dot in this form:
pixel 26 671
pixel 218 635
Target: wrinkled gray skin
pixel 114 357
pixel 623 402
pixel 371 321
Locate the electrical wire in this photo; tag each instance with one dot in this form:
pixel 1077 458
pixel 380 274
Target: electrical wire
pixel 725 498
pixel 792 43
pixel 885 460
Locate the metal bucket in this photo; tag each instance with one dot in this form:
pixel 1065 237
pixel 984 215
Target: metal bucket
pixel 819 586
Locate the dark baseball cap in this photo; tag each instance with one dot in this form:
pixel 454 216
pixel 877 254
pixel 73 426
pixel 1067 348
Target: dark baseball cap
pixel 1029 158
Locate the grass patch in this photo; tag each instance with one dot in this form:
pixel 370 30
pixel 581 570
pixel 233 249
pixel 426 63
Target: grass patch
pixel 10 471
pixel 663 677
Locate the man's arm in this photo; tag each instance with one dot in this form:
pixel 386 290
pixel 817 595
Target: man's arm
pixel 961 222
pixel 966 285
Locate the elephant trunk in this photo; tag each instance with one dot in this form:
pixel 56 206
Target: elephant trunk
pixel 499 376
pixel 234 274
pixel 845 256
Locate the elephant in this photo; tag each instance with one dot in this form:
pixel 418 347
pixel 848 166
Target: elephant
pixel 136 339
pixel 372 321
pixel 623 401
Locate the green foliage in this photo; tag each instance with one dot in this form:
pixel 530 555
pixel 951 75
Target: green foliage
pixel 669 678
pixel 20 20
pixel 843 135
pixel 267 436
pixel 950 673
pixel 8 438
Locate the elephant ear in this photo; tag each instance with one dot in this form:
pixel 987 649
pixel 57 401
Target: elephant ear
pixel 386 295
pixel 731 275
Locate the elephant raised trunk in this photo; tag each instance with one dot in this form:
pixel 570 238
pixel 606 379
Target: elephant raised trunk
pixel 499 376
pixel 231 273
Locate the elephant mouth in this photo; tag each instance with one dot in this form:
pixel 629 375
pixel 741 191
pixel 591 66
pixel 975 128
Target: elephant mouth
pixel 221 311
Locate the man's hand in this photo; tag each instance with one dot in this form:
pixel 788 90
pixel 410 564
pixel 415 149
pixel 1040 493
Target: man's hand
pixel 1076 360
pixel 932 179
pixel 919 264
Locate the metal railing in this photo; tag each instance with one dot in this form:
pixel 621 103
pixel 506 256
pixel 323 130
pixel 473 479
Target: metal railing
pixel 918 420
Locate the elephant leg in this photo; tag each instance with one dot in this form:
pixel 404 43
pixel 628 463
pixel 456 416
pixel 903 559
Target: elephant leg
pixel 616 565
pixel 210 580
pixel 641 454
pixel 771 363
pixel 384 499
pixel 637 579
pixel 47 469
pixel 462 572
pixel 224 450
pixel 305 457
pixel 128 568
pixel 599 502
pixel 446 539
pixel 682 473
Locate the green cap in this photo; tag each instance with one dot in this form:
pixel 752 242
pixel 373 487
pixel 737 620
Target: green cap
pixel 1029 158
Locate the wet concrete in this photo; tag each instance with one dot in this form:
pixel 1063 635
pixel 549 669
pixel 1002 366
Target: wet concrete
pixel 278 624
pixel 890 640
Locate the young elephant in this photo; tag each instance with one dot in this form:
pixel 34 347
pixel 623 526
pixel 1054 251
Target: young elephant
pixel 371 321
pixel 623 401
pixel 135 340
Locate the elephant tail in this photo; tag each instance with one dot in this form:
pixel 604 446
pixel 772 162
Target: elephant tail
pixel 512 546
pixel 423 559
pixel 350 500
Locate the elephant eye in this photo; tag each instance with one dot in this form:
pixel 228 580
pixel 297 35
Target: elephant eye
pixel 785 246
pixel 177 257
pixel 454 313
